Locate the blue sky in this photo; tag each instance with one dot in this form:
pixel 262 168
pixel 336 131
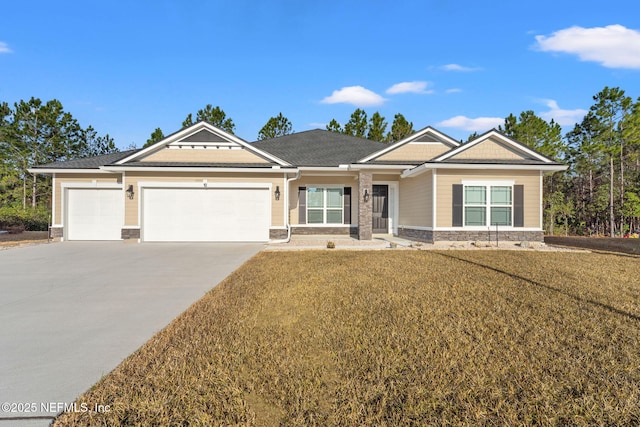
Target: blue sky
pixel 461 66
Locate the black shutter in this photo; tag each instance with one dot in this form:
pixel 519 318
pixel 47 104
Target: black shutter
pixel 347 205
pixel 302 205
pixel 518 206
pixel 457 204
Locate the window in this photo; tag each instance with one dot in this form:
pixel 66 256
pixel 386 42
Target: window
pixel 501 205
pixel 487 202
pixel 324 205
pixel 475 209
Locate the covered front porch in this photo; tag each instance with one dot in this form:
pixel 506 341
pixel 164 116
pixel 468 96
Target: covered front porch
pixel 350 203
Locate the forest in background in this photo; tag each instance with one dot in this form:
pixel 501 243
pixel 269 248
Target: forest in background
pixel 599 194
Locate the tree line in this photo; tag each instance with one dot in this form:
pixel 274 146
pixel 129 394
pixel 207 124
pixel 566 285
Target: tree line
pixel 33 133
pixel 359 125
pixel 599 194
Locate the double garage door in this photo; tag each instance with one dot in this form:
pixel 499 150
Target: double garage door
pixel 205 215
pixel 173 214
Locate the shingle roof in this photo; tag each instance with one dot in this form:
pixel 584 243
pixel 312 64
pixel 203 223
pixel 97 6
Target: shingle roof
pixel 88 162
pixel 319 148
pixel 196 164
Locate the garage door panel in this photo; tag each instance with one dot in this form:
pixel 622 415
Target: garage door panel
pixel 208 215
pixel 94 214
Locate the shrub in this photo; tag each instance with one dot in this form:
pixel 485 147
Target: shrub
pixel 30 219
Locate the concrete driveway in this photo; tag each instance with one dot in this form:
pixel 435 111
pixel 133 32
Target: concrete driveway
pixel 71 312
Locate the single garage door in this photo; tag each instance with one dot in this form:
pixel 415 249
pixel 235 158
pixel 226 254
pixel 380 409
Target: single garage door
pixel 206 214
pixel 94 213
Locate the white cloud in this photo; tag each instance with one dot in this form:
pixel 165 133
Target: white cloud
pixel 354 95
pixel 457 67
pixel 409 87
pixel 613 46
pixel 472 125
pixel 4 48
pixel 317 125
pixel 453 90
pixel 560 116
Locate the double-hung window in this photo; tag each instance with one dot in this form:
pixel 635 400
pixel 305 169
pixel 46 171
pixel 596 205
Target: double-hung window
pixel 486 205
pixel 325 205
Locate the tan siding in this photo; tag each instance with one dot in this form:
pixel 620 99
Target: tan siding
pixel 415 151
pixel 415 201
pixel 305 181
pixel 529 179
pixel 489 149
pixel 385 177
pixel 76 178
pixel 133 178
pixel 209 155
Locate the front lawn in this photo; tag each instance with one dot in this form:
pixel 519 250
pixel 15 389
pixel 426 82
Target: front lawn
pixel 393 338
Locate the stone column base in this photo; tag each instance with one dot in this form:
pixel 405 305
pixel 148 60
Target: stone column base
pixel 130 233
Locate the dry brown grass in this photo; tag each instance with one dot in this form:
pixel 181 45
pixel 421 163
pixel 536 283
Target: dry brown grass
pixel 393 338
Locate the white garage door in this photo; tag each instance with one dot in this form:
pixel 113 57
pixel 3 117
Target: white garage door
pixel 206 215
pixel 94 214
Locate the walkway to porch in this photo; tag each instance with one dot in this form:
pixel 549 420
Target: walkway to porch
pixel 320 241
pixel 389 241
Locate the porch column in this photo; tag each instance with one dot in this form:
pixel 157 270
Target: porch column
pixel 365 213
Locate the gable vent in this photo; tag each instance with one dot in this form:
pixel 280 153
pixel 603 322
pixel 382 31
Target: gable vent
pixel 204 136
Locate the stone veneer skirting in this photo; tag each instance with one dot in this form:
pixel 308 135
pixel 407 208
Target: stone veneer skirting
pixel 56 232
pixel 308 231
pixel 277 234
pixel 130 233
pixel 415 234
pixel 430 236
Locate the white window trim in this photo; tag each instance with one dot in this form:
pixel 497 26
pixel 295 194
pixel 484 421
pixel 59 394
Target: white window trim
pixel 487 205
pixel 324 222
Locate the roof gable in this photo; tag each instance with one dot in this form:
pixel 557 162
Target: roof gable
pixel 493 146
pixel 421 146
pixel 201 143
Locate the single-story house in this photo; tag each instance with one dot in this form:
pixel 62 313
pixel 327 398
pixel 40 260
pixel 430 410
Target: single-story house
pixel 204 184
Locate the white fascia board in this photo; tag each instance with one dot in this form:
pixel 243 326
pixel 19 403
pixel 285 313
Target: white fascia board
pixel 445 137
pixel 474 166
pixel 509 141
pixel 394 146
pixel 489 183
pixel 44 171
pixel 164 142
pixel 322 169
pixel 194 129
pixel 408 173
pixel 193 169
pixel 408 139
pixel 383 167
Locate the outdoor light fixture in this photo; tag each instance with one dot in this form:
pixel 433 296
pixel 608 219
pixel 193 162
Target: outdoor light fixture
pixel 130 191
pixel 277 192
pixel 366 195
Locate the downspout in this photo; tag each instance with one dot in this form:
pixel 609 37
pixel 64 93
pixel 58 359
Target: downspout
pixel 286 202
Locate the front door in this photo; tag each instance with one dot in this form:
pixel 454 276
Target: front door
pixel 380 199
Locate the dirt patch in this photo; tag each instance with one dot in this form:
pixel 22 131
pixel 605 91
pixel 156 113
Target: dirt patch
pixel 627 246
